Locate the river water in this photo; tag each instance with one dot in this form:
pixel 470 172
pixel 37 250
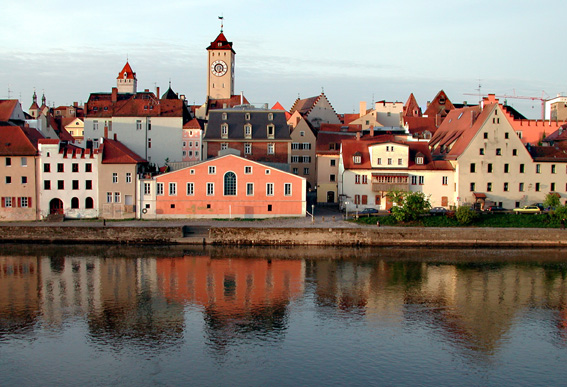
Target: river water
pixel 111 315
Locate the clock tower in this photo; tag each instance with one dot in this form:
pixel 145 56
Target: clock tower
pixel 220 69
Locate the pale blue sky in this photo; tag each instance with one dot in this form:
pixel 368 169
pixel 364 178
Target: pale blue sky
pixel 368 50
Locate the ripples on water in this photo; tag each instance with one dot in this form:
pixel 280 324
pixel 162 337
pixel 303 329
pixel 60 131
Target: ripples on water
pixel 268 316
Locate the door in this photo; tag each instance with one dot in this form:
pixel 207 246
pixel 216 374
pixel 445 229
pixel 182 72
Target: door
pixel 56 206
pixel 330 197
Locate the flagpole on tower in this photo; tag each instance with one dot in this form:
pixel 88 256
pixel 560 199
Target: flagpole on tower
pixel 221 23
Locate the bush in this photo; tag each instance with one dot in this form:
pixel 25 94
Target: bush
pixel 465 215
pixel 552 200
pixel 411 206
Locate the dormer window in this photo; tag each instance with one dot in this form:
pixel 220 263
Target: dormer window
pixel 419 160
pixel 224 116
pixel 224 130
pixel 270 116
pixel 271 131
pixel 247 116
pixel 247 131
pixel 125 74
pixel 357 159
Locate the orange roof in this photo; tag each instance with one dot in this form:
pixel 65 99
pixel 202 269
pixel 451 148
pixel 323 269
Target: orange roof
pixel 194 124
pixel 418 125
pixel 229 102
pixel 411 108
pixel 14 142
pixel 114 152
pixel 7 107
pixel 304 106
pixel 221 43
pixel 140 104
pixel 348 118
pixel 128 70
pixel 441 105
pixel 328 143
pixel 278 106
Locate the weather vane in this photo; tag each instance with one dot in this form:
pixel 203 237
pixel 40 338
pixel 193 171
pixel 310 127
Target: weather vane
pixel 221 22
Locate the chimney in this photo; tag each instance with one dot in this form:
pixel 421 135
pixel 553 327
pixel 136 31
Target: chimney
pixel 115 137
pixel 242 98
pixel 357 136
pixel 362 108
pixel 157 91
pixel 114 94
pixel 76 104
pixel 147 90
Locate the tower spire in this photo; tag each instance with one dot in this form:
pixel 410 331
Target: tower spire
pixel 221 22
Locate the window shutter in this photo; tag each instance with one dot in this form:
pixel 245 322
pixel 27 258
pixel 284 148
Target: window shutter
pixel 29 202
pixel 19 202
pixel 3 202
pixel 14 202
pixel 364 199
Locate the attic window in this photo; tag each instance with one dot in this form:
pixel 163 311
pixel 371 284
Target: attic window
pixel 224 130
pixel 460 115
pixel 357 159
pixel 224 115
pixel 419 160
pixel 219 44
pixel 105 108
pixel 271 131
pixel 270 116
pixel 125 74
pixel 247 116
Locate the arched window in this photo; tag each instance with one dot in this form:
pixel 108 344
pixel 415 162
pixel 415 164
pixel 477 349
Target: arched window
pixel 89 203
pixel 230 184
pixel 75 203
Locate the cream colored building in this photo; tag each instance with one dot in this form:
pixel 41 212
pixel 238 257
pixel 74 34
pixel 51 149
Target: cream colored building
pixel 303 143
pixel 388 114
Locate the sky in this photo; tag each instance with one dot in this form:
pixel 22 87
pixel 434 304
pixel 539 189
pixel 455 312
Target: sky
pixel 363 51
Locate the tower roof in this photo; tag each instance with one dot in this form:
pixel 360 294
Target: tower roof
pixel 221 43
pixel 128 71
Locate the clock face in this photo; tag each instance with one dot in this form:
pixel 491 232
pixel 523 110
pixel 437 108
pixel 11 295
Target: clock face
pixel 219 68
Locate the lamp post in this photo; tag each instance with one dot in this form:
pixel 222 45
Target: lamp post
pixel 346 210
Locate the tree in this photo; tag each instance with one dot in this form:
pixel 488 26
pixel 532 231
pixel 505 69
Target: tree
pixel 552 200
pixel 410 206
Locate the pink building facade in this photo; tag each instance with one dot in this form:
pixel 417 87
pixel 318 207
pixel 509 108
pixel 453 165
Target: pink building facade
pixel 230 187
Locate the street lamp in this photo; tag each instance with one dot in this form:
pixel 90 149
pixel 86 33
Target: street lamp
pixel 346 210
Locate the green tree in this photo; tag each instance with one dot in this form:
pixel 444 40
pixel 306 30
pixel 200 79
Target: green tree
pixel 410 206
pixel 465 215
pixel 552 200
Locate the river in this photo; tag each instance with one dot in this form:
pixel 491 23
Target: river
pixel 210 316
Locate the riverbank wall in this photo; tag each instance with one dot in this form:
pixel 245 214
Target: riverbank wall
pixel 255 236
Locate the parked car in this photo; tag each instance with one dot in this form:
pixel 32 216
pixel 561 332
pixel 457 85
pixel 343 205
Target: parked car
pixel 369 211
pixel 528 210
pixel 438 211
pixel 495 209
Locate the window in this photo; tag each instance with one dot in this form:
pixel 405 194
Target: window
pixel 147 188
pixel 249 189
pixel 333 163
pixel 485 134
pixel 159 189
pixel 498 152
pixel 357 159
pixel 47 167
pixel 481 151
pixel 271 148
pixel 506 168
pixel 247 131
pixel 521 187
pixel 267 172
pixel 552 168
pixel 419 160
pixel 172 189
pixel 364 179
pixel 24 179
pixel 389 161
pixel 75 203
pixel 75 184
pixel 538 168
pixel 306 146
pixel 60 167
pixel 514 152
pixel 247 116
pixel 128 177
pixel 190 189
pixel 191 171
pixel 506 135
pixel 224 131
pixel 552 187
pixel 109 197
pixel 332 177
pixel 306 159
pixel 472 187
pixel 149 121
pixel 306 171
pixel 247 148
pixel 7 201
pixel 356 179
pixel 400 162
pixel 210 189
pixel 414 180
pixel 302 133
pixel 269 208
pixel 271 131
pixel 421 180
pixel 230 184
pixel 88 184
pixel 24 162
pixel 537 187
pixel 8 161
pixel 138 124
pixel 89 203
pixel 117 197
pixel 60 184
pixel 115 177
pixel 287 189
pixel 212 170
pixel 295 146
pixel 8 179
pixel 295 171
pixel 47 184
pixel 489 168
pixel 379 161
pixel 95 125
pixel 24 202
pixel 88 167
pixel 269 189
pixel 224 146
pixel 224 115
pixel 488 187
pixel 149 143
pixel 444 180
pixel 356 199
pixel 473 168
pixel 522 168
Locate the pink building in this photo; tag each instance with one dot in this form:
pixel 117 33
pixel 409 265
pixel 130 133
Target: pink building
pixel 229 187
pixel 192 136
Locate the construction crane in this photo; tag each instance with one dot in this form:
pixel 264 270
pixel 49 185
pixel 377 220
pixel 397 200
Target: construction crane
pixel 514 96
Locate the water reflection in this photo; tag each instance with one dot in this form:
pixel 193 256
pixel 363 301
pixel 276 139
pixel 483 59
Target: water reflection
pixel 148 299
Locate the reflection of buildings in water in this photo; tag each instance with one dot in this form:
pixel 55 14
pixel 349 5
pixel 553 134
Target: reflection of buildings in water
pixel 19 294
pixel 132 311
pixel 240 296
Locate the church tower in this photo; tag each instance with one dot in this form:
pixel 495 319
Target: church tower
pixel 220 70
pixel 126 81
pixel 34 108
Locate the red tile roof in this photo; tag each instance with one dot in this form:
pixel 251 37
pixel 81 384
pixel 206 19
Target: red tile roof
pixel 140 104
pixel 340 128
pixel 225 103
pixel 328 143
pixel 348 118
pixel 114 152
pixel 7 107
pixel 418 125
pixel 278 106
pixel 304 106
pixel 128 70
pixel 14 142
pixel 441 105
pixel 221 43
pixel 194 124
pixel 411 108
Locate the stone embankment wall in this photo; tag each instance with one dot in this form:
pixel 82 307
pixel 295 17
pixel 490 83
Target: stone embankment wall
pixel 390 236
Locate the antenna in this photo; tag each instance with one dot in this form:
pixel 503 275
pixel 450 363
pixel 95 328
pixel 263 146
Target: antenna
pixel 9 91
pixel 479 91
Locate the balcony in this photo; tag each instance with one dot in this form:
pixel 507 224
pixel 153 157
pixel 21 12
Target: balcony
pixel 385 182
